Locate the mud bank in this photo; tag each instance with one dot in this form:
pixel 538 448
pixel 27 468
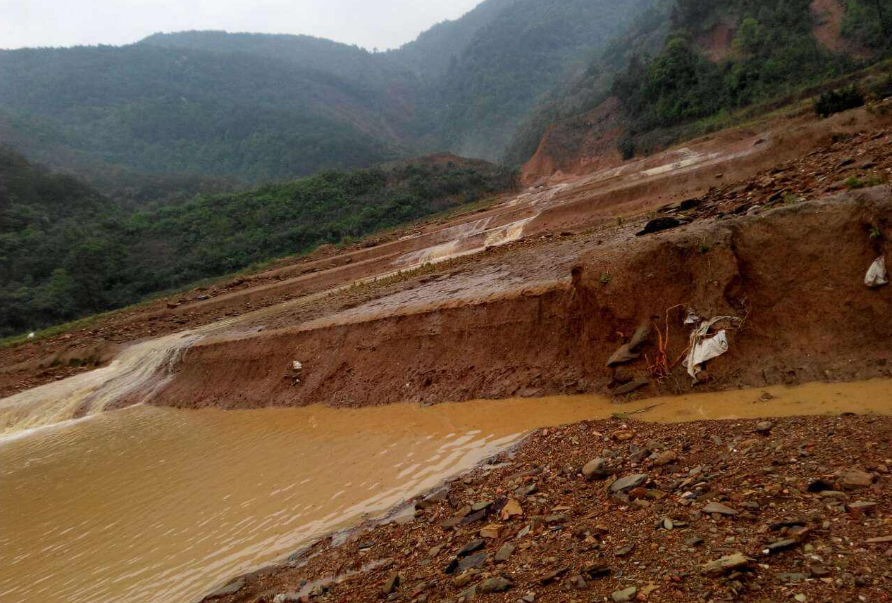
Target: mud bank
pixel 794 275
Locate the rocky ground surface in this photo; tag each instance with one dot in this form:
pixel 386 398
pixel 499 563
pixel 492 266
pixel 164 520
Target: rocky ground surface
pixel 788 510
pixel 848 161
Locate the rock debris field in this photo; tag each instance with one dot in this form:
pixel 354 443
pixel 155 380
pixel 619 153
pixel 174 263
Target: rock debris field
pixel 619 510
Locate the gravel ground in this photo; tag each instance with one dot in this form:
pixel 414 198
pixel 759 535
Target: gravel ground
pixel 793 509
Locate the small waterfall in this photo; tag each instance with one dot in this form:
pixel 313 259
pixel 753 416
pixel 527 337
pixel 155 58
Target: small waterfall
pixel 469 238
pixel 507 234
pixel 140 370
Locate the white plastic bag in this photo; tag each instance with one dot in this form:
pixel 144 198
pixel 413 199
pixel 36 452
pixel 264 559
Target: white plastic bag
pixel 703 349
pixel 708 349
pixel 877 276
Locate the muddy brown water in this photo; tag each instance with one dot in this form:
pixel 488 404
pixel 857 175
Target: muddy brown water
pixel 159 505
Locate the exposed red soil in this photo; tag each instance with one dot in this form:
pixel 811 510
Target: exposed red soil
pixel 718 43
pixel 586 206
pixel 794 273
pixel 803 505
pixel 829 29
pixel 830 15
pixel 577 146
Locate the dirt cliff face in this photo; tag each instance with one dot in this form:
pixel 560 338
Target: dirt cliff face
pixel 577 146
pixel 794 275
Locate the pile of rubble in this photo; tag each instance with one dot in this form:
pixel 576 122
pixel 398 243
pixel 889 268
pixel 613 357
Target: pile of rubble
pixel 797 509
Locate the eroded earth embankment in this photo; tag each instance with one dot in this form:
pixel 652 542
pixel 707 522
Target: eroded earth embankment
pixel 794 275
pixel 795 155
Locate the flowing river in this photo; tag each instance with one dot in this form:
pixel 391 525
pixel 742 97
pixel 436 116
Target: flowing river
pixel 158 505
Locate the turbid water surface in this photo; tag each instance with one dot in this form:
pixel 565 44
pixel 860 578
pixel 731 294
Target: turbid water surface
pixel 158 505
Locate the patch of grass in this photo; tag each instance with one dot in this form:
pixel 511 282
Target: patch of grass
pixel 76 325
pixel 704 249
pixel 791 199
pixel 626 148
pixel 604 279
pixel 882 88
pixel 854 183
pixel 875 233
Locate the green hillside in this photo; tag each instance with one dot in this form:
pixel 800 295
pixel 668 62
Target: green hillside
pixel 665 75
pixel 532 46
pixel 161 111
pixel 248 108
pixel 67 251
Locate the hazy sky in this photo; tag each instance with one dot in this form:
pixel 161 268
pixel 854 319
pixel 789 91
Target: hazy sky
pixel 368 23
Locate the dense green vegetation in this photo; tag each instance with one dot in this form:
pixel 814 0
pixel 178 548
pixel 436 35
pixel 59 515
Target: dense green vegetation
pixel 666 77
pixel 160 111
pixel 835 101
pixel 869 23
pixel 512 62
pixel 435 50
pixel 774 51
pixel 234 110
pixel 67 251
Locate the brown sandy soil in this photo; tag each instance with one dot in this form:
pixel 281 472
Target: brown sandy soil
pixel 799 510
pixel 577 215
pixel 793 273
pixel 580 145
pixel 512 321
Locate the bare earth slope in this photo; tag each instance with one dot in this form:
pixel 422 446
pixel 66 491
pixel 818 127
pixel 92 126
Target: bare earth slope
pixel 793 273
pixel 448 276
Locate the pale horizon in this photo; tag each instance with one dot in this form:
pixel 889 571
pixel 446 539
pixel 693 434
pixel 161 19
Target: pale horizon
pixel 376 24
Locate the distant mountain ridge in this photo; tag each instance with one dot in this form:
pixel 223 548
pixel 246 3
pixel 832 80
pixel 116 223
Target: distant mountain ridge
pixel 256 107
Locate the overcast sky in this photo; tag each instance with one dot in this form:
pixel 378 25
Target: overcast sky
pixel 368 23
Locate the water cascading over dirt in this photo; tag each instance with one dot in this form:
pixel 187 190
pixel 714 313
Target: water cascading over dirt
pixel 144 368
pixel 137 371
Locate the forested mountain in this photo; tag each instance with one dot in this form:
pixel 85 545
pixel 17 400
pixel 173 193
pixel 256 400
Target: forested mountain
pixel 686 60
pixel 517 58
pixel 253 108
pixel 161 111
pixel 67 251
pixel 432 53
